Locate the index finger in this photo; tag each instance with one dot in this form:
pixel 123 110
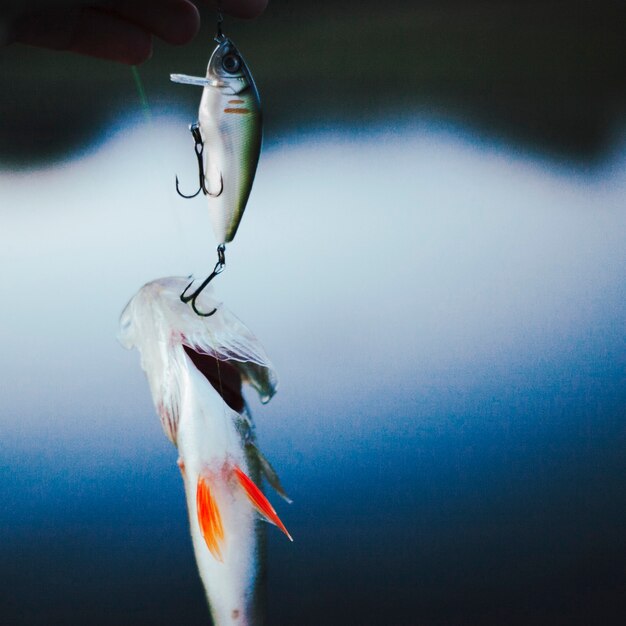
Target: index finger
pixel 246 9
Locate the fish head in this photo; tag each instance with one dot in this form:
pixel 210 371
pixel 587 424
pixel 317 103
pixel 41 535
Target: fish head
pixel 227 70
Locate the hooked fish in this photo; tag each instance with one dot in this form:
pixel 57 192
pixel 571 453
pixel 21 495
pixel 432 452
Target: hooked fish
pixel 228 136
pixel 195 368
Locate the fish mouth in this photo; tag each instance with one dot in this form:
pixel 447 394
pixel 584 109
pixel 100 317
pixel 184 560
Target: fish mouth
pixel 223 376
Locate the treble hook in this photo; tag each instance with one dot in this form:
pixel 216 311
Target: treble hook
pixel 199 149
pixel 218 269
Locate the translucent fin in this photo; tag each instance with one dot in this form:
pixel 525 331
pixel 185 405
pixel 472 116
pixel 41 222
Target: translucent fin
pixel 198 81
pixel 259 501
pixel 261 377
pixel 209 518
pixel 189 80
pixel 270 473
pixel 157 322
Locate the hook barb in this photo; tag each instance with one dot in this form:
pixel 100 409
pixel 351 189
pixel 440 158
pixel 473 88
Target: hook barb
pixel 182 195
pixel 193 297
pixel 208 193
pixel 199 149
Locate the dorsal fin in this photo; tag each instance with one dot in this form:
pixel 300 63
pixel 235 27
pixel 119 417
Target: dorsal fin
pixel 209 518
pixel 259 501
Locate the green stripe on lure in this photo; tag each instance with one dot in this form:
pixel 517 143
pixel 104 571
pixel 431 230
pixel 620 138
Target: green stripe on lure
pixel 228 136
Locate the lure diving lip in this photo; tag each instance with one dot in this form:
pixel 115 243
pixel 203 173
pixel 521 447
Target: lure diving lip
pixel 228 136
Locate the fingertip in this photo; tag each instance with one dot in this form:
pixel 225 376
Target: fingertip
pixel 178 25
pixel 138 54
pixel 246 9
pixel 130 52
pixel 106 37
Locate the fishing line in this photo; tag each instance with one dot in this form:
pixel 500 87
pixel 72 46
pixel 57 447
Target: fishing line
pixel 219 380
pixel 142 94
pixel 181 238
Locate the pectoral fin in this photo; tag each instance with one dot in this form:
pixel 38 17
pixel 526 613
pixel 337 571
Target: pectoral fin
pixel 259 501
pixel 209 518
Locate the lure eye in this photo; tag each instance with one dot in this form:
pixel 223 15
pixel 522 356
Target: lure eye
pixel 231 63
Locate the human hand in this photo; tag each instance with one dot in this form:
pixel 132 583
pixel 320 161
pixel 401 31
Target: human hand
pixel 117 30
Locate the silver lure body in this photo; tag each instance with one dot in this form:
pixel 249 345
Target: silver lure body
pixel 230 123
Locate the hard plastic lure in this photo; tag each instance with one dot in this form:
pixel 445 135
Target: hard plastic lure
pixel 228 135
pixel 195 367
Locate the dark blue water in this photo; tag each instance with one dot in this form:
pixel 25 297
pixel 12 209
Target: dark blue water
pixel 451 417
pixel 508 508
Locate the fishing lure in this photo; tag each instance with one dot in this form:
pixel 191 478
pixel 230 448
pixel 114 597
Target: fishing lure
pixel 195 368
pixel 227 135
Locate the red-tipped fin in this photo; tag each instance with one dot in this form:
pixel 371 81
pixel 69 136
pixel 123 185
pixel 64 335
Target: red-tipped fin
pixel 259 501
pixel 209 518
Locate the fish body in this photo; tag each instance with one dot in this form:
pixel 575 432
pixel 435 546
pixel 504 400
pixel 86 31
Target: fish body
pixel 188 361
pixel 231 128
pixel 209 449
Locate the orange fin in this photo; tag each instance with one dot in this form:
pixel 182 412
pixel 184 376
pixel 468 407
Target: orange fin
pixel 260 502
pixel 209 518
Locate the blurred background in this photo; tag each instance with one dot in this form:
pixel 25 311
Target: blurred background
pixel 434 256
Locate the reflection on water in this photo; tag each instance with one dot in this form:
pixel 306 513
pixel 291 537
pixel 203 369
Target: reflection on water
pixel 448 320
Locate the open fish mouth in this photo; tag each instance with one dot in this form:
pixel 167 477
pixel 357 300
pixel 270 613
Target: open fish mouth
pixel 223 376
